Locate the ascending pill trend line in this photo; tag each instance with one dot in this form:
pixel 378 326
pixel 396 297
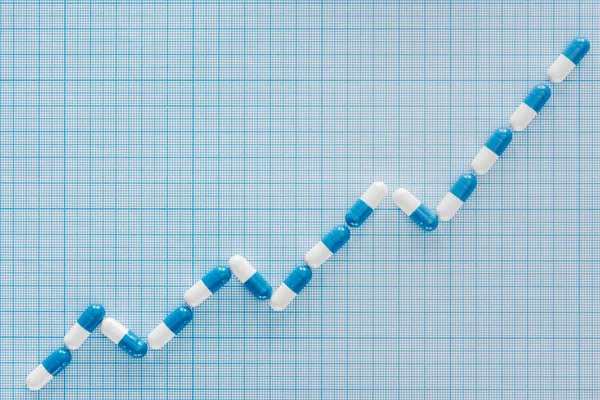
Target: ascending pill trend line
pixel 428 220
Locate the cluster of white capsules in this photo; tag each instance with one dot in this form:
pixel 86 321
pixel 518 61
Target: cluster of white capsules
pixel 494 147
pixel 333 241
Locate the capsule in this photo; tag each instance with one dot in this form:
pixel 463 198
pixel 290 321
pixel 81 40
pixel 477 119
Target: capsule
pixel 569 58
pixel 123 337
pixel 49 368
pixel 252 280
pixel 530 107
pixel 207 286
pixel 494 147
pixel 85 325
pixel 418 213
pixel 290 288
pixel 368 202
pixel 455 198
pixel 328 246
pixel 171 326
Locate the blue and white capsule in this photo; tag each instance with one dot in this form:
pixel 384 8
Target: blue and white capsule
pixel 171 326
pixel 566 62
pixel 123 337
pixel 494 147
pixel 207 286
pixel 530 107
pixel 49 368
pixel 368 202
pixel 290 288
pixel 456 197
pixel 328 246
pixel 417 212
pixel 252 280
pixel 85 325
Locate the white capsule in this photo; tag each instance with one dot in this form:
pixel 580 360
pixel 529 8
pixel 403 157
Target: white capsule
pixel 375 194
pixel 449 205
pixel 75 337
pixel 317 255
pixel 560 69
pixel 483 161
pixel 38 378
pixel 113 329
pixel 282 297
pixel 241 268
pixel 406 201
pixel 522 117
pixel 160 336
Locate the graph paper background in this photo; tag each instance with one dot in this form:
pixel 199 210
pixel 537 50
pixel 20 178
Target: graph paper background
pixel 143 143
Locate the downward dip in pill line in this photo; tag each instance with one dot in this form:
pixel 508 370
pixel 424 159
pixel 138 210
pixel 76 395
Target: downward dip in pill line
pixel 333 241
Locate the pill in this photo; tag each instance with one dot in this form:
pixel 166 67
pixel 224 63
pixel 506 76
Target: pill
pixel 123 337
pixel 49 368
pixel 252 280
pixel 455 198
pixel 530 107
pixel 207 286
pixel 290 288
pixel 85 325
pixel 494 147
pixel 417 212
pixel 363 208
pixel 171 326
pixel 328 246
pixel 569 58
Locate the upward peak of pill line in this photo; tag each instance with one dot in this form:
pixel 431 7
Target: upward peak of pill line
pixel 332 242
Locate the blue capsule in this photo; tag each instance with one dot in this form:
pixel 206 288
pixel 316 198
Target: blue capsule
pixel 206 286
pixel 291 286
pixel 537 98
pixel 363 208
pixel 530 107
pixel 577 49
pixel 328 246
pixel 494 147
pixel 50 367
pixel 124 338
pixel 458 194
pixel 171 326
pixel 86 323
pixel 417 212
pixel 569 59
pixel 249 276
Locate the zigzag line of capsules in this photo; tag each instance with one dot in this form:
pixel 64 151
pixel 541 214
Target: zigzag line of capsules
pixel 127 340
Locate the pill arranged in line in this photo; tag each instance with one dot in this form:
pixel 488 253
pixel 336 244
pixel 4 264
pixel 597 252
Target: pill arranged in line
pixel 530 107
pixel 417 212
pixel 569 58
pixel 123 337
pixel 364 206
pixel 328 246
pixel 250 277
pixel 290 288
pixel 494 147
pixel 85 325
pixel 49 368
pixel 171 326
pixel 207 286
pixel 455 198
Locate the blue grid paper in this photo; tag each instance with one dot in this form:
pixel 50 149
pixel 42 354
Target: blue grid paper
pixel 143 143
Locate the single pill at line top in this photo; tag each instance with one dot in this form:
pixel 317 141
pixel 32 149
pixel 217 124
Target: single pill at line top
pixel 126 339
pixel 49 368
pixel 455 198
pixel 290 288
pixel 328 246
pixel 530 107
pixel 250 277
pixel 171 326
pixel 494 147
pixel 415 210
pixel 364 206
pixel 85 325
pixel 566 62
pixel 207 286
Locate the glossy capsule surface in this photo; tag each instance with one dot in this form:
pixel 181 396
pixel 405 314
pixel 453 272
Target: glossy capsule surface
pixel 207 286
pixel 455 198
pixel 290 288
pixel 530 107
pixel 250 277
pixel 368 202
pixel 127 340
pixel 171 326
pixel 328 246
pixel 415 210
pixel 49 368
pixel 569 59
pixel 85 325
pixel 493 149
